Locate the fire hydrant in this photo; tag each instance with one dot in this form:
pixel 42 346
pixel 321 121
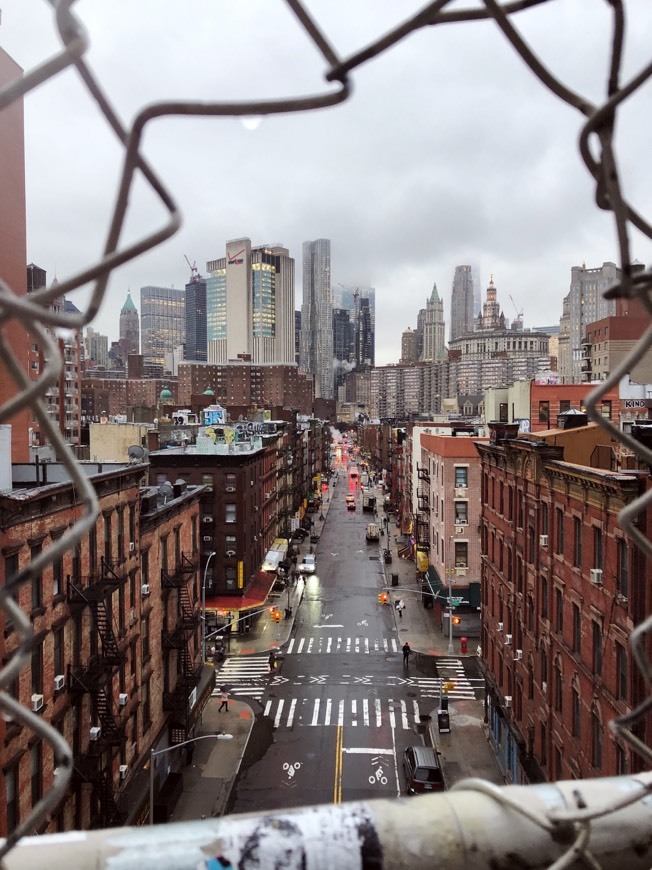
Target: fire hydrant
pixel 464 645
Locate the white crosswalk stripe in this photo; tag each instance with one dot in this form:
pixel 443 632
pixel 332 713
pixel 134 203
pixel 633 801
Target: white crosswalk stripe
pixel 356 713
pixel 244 675
pixel 330 644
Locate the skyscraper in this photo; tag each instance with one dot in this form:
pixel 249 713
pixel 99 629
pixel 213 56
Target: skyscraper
pixel 343 346
pixel 163 322
pixel 433 329
pixel 586 305
pixel 196 342
pixel 316 317
pixel 462 302
pixel 250 304
pixel 129 327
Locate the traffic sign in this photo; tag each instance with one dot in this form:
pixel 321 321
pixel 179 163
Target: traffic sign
pixel 453 602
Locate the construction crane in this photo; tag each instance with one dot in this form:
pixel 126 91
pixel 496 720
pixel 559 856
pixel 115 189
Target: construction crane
pixel 194 271
pixel 519 314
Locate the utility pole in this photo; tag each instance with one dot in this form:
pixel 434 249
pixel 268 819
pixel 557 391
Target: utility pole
pixel 450 597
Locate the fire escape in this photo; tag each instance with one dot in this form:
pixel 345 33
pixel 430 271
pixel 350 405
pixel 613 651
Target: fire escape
pixel 423 510
pixel 94 764
pixel 177 643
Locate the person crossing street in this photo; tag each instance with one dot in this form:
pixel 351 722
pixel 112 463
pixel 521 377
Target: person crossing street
pixel 407 652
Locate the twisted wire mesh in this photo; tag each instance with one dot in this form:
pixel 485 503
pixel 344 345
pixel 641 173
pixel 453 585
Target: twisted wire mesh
pixel 597 148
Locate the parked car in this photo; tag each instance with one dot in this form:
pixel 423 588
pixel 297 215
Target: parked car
pixel 314 539
pixel 308 565
pixel 422 770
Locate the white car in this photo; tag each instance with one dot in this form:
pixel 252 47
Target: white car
pixel 308 565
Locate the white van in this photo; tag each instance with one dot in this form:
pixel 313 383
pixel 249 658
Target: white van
pixel 373 532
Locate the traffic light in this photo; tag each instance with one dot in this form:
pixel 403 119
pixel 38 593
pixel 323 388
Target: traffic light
pixel 383 598
pixel 456 620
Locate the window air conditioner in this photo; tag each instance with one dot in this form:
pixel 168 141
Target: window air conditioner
pixel 124 770
pixel 543 540
pixel 132 546
pixel 499 627
pixel 544 687
pixel 144 590
pixel 519 655
pixel 230 553
pixel 596 576
pixel 59 682
pixel 508 639
pixel 37 703
pixel 207 539
pixel 95 733
pixel 208 519
pixel 231 488
pixel 508 701
pixel 123 697
pixel 460 572
pixel 459 530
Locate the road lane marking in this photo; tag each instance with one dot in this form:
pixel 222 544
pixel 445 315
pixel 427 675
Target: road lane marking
pixel 354 711
pixel 404 715
pixel 277 718
pixel 416 712
pixel 366 645
pixel 329 644
pixel 291 713
pixel 315 712
pixel 378 712
pixel 398 783
pixel 392 717
pixel 301 643
pixel 366 750
pixel 340 714
pixel 365 712
pixel 327 716
pixel 268 707
pixel 337 784
pixel 290 646
pixel 309 650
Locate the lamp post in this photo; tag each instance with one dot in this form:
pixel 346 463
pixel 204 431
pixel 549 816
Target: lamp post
pixel 154 752
pixel 203 609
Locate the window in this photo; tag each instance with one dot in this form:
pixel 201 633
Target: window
pixel 207 480
pixel 559 610
pixel 544 598
pixel 543 517
pixel 231 577
pixel 461 513
pixel 92 549
pixel 37 579
pixel 121 534
pixel 57 577
pixel 145 696
pixel 461 554
pixel 622 576
pixel 576 713
pixel 108 554
pixel 557 763
pixel 503 412
pixel 11 797
pixel 530 680
pixel 177 546
pixel 36 782
pixel 132 523
pixel 577 542
pixel 164 553
pixel 501 499
pixel 144 566
pixel 544 412
pixel 37 669
pixel 144 636
pixel 605 408
pixel 230 481
pixel 520 511
pixel 544 744
pixel 596 631
pixel 543 662
pixel 510 503
pixel 559 687
pixel 76 564
pixel 596 739
pixel 11 569
pixel 621 760
pixel 194 533
pixel 229 513
pixel 559 543
pixel 564 405
pixel 57 634
pixel 230 544
pixel 577 627
pixel 461 476
pixel 597 547
pixel 621 672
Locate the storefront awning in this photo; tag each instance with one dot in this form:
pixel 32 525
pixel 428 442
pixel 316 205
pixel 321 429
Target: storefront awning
pixel 434 582
pixel 254 596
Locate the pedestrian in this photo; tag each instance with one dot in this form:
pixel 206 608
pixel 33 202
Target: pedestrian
pixel 225 699
pixel 407 652
pixel 400 606
pixel 272 662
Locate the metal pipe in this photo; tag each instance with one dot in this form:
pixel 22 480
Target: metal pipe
pixel 203 609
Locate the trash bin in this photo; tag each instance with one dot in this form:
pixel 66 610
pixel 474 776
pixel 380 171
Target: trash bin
pixel 443 704
pixel 464 645
pixel 394 579
pixel 443 722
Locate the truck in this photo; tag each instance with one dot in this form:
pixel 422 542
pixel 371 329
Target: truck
pixel 368 502
pixel 373 532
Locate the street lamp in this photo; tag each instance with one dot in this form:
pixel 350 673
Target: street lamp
pixel 154 752
pixel 203 609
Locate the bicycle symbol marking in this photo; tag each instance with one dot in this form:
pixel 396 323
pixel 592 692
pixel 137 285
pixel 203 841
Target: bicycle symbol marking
pixel 363 622
pixel 378 777
pixel 292 768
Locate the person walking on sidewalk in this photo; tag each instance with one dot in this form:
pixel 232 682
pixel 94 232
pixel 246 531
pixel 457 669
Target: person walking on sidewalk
pixel 225 699
pixel 407 652
pixel 400 607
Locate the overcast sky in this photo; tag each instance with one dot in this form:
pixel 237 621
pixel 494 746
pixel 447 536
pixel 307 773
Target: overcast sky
pixel 449 150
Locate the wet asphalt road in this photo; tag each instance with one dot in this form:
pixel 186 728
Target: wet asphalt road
pixel 335 719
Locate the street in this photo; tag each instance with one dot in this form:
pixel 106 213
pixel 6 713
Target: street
pixel 341 705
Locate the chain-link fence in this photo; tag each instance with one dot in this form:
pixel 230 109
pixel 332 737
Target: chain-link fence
pixel 598 150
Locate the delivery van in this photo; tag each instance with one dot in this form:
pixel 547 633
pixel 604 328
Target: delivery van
pixel 373 532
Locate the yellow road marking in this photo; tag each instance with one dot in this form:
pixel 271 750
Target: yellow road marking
pixel 337 786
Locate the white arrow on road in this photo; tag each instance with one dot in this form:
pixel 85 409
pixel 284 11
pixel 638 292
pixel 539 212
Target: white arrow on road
pixel 402 681
pixel 320 679
pixel 278 681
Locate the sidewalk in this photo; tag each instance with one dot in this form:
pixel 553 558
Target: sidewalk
pixel 465 751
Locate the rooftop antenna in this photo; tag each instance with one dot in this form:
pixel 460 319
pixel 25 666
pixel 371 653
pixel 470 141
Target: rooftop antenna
pixel 166 490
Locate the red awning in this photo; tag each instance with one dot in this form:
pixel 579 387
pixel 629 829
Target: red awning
pixel 255 595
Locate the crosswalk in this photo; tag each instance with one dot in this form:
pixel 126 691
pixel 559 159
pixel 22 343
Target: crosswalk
pixel 355 712
pixel 325 645
pixel 244 675
pixel 452 670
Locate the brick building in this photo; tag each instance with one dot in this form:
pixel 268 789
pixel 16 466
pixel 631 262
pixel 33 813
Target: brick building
pixel 105 614
pixel 562 590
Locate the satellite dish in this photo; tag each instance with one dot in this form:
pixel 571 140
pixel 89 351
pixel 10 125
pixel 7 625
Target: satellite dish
pixel 179 481
pixel 136 453
pixel 166 490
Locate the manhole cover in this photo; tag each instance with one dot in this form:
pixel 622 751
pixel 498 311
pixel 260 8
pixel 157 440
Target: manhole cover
pixel 374 558
pixel 389 658
pixel 411 694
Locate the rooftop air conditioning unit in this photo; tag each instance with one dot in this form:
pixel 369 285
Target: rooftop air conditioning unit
pixel 508 639
pixel 59 682
pixel 208 519
pixel 95 733
pixel 499 627
pixel 508 701
pixel 232 488
pixel 124 770
pixel 596 576
pixel 123 697
pixel 144 590
pixel 37 703
pixel 543 540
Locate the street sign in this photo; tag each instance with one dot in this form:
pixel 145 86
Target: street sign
pixel 453 602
